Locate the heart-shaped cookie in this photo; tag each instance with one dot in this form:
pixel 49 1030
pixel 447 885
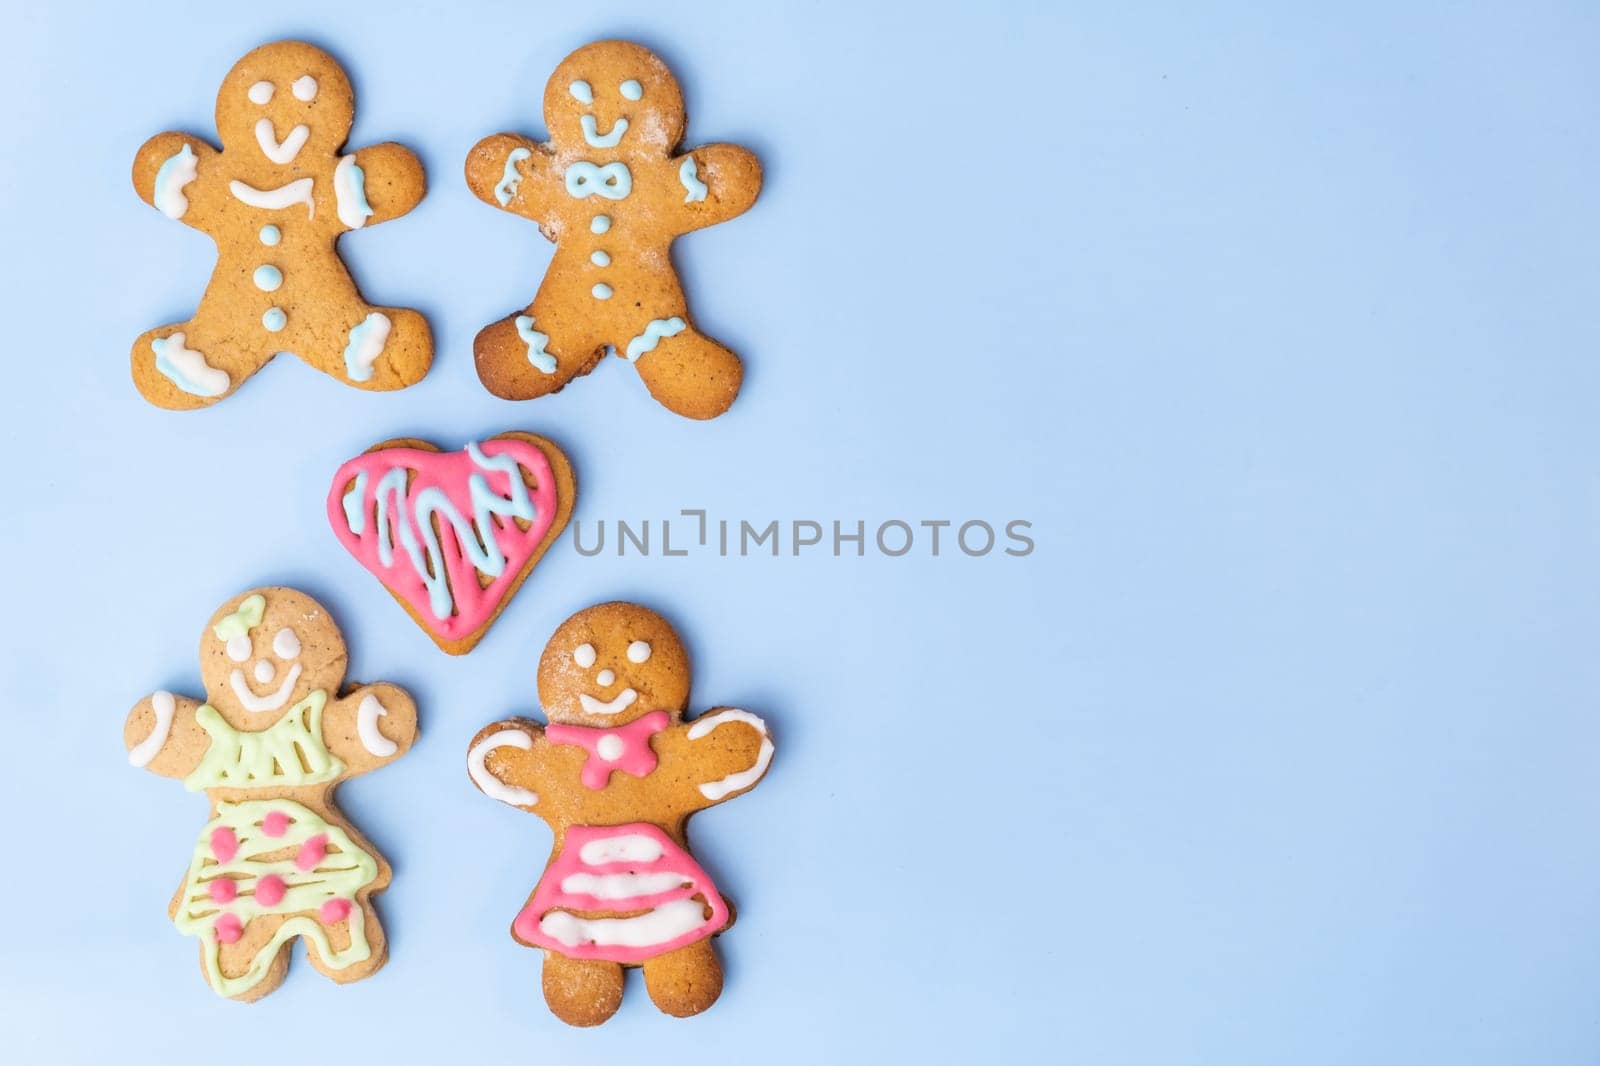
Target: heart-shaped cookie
pixel 453 534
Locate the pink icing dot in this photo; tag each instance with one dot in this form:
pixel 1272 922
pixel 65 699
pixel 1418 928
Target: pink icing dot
pixel 270 890
pixel 229 929
pixel 275 824
pixel 335 910
pixel 312 852
pixel 224 845
pixel 222 889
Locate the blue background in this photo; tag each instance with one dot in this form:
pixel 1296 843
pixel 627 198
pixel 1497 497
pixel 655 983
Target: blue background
pixel 1280 329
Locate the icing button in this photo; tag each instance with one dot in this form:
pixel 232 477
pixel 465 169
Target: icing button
pixel 609 747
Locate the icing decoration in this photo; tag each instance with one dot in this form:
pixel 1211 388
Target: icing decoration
pixel 287 195
pixel 280 152
pixel 629 865
pixel 367 339
pixel 334 911
pixel 626 747
pixel 187 368
pixel 273 319
pixel 653 334
pixel 717 790
pixel 242 619
pixel 164 706
pixel 312 852
pixel 600 224
pixel 436 572
pixel 261 92
pixel 597 139
pixel 261 704
pixel 224 844
pixel 689 175
pixel 536 341
pixel 267 278
pixel 583 655
pixel 639 652
pixel 507 188
pixel 223 889
pixel 619 703
pixel 179 169
pixel 631 89
pixel 264 672
pixel 340 875
pixel 290 752
pixel 286 645
pixel 599 258
pixel 605 678
pixel 367 715
pixel 612 181
pixel 238 648
pixel 601 291
pixel 581 92
pixel 350 192
pixel 492 786
pixel 304 88
pixel 275 824
pixel 271 235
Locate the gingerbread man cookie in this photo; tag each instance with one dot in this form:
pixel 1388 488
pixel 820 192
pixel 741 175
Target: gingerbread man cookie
pixel 275 200
pixel 608 190
pixel 274 737
pixel 616 774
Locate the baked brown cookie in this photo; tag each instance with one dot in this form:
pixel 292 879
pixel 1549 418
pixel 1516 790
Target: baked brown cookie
pixel 453 535
pixel 274 737
pixel 616 774
pixel 612 194
pixel 275 200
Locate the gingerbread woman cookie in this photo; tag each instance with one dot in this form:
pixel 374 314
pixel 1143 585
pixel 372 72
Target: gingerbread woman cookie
pixel 274 737
pixel 608 190
pixel 616 774
pixel 275 200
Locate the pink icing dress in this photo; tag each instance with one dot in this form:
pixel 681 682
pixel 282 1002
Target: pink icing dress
pixel 635 870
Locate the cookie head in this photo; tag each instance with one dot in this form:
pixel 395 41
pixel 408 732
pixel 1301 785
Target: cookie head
pixel 612 99
pixel 285 102
pixel 267 650
pixel 610 664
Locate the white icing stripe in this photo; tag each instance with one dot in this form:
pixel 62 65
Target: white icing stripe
pixel 179 170
pixel 621 886
pixel 350 192
pixel 491 785
pixel 666 922
pixel 622 702
pixel 164 706
pixel 295 192
pixel 367 715
pixel 270 702
pixel 716 790
pixel 629 847
pixel 284 151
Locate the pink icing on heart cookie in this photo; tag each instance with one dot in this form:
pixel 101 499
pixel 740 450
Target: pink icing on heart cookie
pixel 453 534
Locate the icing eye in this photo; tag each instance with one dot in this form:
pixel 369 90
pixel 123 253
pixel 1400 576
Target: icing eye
pixel 286 645
pixel 261 92
pixel 631 89
pixel 264 671
pixel 581 92
pixel 604 678
pixel 638 652
pixel 304 88
pixel 583 655
pixel 239 648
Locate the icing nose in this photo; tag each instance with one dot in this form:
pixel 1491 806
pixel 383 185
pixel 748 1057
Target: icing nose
pixel 605 677
pixel 264 671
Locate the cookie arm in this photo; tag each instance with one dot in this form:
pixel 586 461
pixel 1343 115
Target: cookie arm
pixel 394 179
pixel 506 761
pixel 722 754
pixel 370 726
pixel 524 186
pixel 162 736
pixel 717 182
pixel 167 171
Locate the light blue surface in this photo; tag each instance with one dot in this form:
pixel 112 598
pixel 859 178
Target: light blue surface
pixel 1280 328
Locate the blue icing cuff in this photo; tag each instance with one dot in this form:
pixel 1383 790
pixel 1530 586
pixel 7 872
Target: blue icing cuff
pixel 646 342
pixel 689 174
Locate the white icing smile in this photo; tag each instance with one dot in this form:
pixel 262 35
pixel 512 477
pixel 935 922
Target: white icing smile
pixel 596 139
pixel 272 702
pixel 283 151
pixel 622 702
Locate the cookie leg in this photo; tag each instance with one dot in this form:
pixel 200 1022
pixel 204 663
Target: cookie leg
pixel 174 367
pixel 691 374
pixel 339 939
pixel 685 981
pixel 581 992
pixel 519 361
pixel 381 349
